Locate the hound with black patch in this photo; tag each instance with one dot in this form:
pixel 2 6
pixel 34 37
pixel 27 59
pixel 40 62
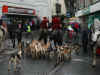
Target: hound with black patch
pixel 15 60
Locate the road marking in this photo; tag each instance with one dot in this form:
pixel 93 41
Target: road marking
pixel 80 60
pixel 56 69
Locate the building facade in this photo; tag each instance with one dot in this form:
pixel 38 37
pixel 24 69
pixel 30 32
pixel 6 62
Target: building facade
pixel 53 7
pixel 87 11
pixel 42 7
pixel 70 6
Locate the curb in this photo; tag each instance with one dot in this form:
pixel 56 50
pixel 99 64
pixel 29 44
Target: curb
pixel 9 52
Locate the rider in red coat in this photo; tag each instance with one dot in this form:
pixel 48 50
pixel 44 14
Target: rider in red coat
pixel 56 23
pixel 57 33
pixel 44 23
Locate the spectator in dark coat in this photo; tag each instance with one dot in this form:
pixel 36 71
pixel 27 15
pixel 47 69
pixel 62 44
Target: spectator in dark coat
pixel 19 36
pixel 19 32
pixel 85 40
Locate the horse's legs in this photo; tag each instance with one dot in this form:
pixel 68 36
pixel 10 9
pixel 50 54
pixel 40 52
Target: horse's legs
pixel 0 44
pixel 94 56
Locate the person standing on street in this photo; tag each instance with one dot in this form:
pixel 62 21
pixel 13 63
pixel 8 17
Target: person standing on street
pixel 19 32
pixel 85 40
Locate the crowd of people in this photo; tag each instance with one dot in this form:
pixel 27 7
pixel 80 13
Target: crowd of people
pixel 54 30
pixel 57 28
pixel 60 31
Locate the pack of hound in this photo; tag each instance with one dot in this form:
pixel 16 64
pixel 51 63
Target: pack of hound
pixel 39 50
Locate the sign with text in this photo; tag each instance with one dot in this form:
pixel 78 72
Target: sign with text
pixel 18 10
pixel 68 14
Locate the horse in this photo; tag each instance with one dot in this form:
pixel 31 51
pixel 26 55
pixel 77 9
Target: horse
pixel 94 37
pixel 3 34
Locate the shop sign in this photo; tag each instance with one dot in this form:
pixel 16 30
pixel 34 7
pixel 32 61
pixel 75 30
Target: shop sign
pixel 8 9
pixel 17 10
pixel 68 14
pixel 5 9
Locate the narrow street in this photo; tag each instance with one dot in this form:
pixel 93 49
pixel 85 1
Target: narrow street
pixel 78 65
pixel 49 37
